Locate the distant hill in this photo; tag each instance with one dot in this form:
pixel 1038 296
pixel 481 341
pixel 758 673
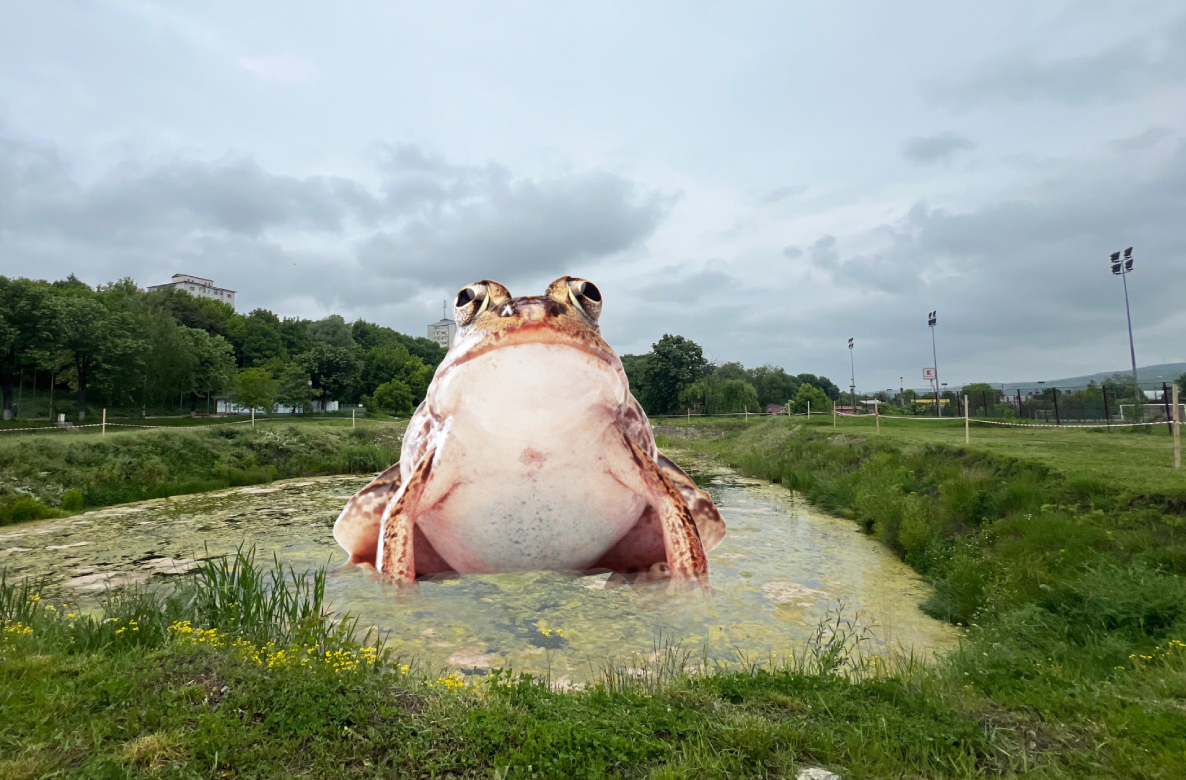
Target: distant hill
pixel 1165 372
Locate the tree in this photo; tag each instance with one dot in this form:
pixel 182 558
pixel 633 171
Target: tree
pixel 293 388
pixel 721 395
pixel 823 383
pixel 81 321
pixel 635 367
pixel 810 394
pixel 393 397
pixel 214 364
pixel 673 363
pixel 331 330
pixel 262 340
pixel 773 384
pixel 27 317
pixel 255 388
pixel 333 370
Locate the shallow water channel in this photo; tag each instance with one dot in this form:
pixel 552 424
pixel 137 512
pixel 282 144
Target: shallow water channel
pixel 782 568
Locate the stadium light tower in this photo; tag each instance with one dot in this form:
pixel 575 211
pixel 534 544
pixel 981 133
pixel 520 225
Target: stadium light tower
pixel 852 387
pixel 931 320
pixel 1122 268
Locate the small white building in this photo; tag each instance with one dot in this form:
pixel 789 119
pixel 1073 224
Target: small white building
pixel 443 331
pixel 202 288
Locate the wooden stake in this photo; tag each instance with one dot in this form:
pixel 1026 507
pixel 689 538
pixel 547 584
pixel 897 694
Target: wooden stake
pixel 104 421
pixel 877 416
pixel 253 417
pixel 833 416
pixel 1177 430
pixel 351 418
pixel 967 424
pixel 746 415
pixel 809 411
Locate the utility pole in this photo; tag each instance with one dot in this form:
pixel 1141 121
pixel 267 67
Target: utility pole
pixel 931 320
pixel 852 387
pixel 1122 268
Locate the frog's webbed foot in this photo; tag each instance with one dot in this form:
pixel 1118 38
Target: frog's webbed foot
pixel 357 527
pixel 685 555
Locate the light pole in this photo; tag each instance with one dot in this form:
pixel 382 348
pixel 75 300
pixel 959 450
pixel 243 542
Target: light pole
pixel 852 387
pixel 1122 268
pixel 931 320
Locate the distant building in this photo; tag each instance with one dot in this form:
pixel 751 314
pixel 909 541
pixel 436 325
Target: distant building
pixel 443 331
pixel 202 288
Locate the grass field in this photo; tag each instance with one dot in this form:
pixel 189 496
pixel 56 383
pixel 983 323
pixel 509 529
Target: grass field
pixel 1069 582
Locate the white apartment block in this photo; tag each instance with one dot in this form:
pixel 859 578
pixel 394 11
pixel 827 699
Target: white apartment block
pixel 442 332
pixel 202 288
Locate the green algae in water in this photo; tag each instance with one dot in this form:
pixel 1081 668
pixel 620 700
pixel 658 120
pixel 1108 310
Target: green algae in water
pixel 780 570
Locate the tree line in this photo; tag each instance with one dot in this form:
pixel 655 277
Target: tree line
pixel 119 347
pixel 75 347
pixel 675 377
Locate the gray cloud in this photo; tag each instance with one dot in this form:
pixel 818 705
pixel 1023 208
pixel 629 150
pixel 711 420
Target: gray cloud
pixel 782 193
pixel 1125 70
pixel 330 239
pixel 792 252
pixel 1146 140
pixel 934 148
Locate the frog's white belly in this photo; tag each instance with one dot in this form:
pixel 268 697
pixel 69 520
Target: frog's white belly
pixel 529 441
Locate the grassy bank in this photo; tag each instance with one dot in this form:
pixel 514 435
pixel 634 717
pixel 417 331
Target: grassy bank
pixel 1066 579
pixel 238 673
pixel 43 475
pixel 1071 590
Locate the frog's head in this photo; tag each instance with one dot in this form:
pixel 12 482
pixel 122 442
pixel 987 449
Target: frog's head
pixel 488 317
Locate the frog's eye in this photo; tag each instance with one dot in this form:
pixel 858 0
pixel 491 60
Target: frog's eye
pixel 585 296
pixel 471 301
pixel 474 299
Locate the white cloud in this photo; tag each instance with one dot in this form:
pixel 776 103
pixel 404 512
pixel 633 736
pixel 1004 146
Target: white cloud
pixel 284 69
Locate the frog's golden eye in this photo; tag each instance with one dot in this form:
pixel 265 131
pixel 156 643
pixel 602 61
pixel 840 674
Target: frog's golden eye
pixel 585 296
pixel 474 299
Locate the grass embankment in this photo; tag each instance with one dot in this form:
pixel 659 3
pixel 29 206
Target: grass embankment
pixel 45 475
pixel 1063 552
pixel 239 673
pixel 1073 665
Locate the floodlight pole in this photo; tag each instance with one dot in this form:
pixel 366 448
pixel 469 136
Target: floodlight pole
pixel 1122 268
pixel 852 387
pixel 935 357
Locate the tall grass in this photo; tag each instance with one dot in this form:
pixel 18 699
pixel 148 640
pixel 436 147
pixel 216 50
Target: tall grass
pixel 232 594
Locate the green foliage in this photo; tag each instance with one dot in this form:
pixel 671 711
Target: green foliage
pixel 673 364
pixel 809 394
pixel 333 370
pixel 721 392
pixel 393 397
pixel 72 500
pixel 123 467
pixel 255 388
pixel 23 509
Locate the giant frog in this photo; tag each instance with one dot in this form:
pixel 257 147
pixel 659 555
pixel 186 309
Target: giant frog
pixel 530 453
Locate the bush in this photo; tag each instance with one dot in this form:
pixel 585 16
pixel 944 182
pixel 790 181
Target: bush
pixel 24 509
pixel 365 458
pixel 72 500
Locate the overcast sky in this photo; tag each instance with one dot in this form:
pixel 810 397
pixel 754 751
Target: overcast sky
pixel 768 179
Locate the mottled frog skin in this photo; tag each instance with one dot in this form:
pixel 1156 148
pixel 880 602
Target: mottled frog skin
pixel 530 453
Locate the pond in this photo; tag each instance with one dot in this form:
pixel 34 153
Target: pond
pixel 782 568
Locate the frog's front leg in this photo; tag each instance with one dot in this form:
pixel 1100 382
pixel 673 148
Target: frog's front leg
pixel 396 557
pixel 681 539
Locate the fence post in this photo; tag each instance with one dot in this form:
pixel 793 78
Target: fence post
pixel 877 413
pixel 1019 414
pixel 984 398
pixel 104 420
pixel 809 411
pixel 1057 421
pixel 1107 415
pixel 746 414
pixel 1177 430
pixel 1165 400
pixel 253 417
pixel 351 418
pixel 833 415
pixel 967 423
